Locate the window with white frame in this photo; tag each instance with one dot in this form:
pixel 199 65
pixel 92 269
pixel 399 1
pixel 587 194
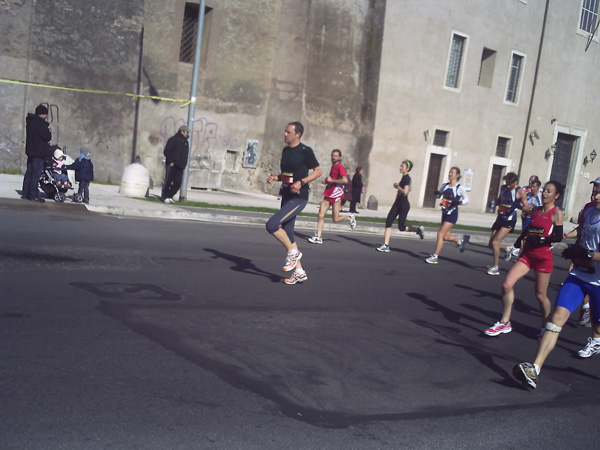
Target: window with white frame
pixel 502 147
pixel 455 59
pixel 589 15
pixel 514 78
pixel 440 138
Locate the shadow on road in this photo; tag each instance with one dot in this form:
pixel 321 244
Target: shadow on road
pixel 244 265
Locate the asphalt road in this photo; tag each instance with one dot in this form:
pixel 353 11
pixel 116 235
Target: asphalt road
pixel 138 333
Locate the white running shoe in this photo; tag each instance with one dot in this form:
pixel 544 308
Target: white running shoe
pixel 508 253
pixel 291 260
pixel 432 259
pixel 315 240
pixel 296 278
pixel 493 271
pixel 584 318
pixel 352 222
pixel 592 348
pixel 421 233
pixel 384 248
pixel 498 328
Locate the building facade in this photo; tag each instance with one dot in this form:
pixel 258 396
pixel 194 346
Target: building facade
pixel 488 86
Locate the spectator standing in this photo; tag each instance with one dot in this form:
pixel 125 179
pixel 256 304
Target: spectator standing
pixel 37 148
pixel 357 187
pixel 176 153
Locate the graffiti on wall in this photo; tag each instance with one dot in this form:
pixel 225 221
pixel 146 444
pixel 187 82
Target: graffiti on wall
pixel 206 136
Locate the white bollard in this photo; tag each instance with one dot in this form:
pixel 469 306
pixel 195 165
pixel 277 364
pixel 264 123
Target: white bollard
pixel 135 181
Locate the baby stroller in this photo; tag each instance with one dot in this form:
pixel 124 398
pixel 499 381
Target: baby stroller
pixel 48 183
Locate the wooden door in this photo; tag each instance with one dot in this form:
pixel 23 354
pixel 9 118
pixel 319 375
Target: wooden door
pixel 433 179
pixel 561 164
pixel 494 188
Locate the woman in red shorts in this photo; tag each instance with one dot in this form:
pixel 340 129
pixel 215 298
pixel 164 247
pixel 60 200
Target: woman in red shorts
pixel 546 227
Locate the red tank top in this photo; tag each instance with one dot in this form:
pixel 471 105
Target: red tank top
pixel 541 224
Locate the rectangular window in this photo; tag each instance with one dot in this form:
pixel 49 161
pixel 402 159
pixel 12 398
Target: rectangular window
pixel 440 138
pixel 514 78
pixel 486 70
pixel 589 15
pixel 187 48
pixel 502 147
pixel 457 50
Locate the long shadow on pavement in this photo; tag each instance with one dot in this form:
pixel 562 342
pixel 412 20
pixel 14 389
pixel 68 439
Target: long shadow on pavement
pixel 244 265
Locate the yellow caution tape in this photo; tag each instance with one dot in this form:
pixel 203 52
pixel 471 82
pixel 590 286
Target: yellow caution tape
pixel 96 91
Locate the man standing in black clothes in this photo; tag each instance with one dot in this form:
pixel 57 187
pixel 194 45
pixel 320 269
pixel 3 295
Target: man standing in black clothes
pixel 37 148
pixel 176 151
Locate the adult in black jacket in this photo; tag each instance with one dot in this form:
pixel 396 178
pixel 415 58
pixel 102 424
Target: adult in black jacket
pixel 176 154
pixel 37 148
pixel 357 186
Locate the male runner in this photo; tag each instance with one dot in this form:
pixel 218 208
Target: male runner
pixel 297 160
pixel 332 196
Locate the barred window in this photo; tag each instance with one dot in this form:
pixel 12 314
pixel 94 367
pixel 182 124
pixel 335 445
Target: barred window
pixel 455 60
pixel 514 78
pixel 187 47
pixel 502 147
pixel 440 138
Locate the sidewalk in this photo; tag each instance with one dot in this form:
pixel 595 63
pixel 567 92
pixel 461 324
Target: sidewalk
pixel 106 199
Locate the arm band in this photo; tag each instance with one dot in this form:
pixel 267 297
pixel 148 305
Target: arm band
pixel 557 234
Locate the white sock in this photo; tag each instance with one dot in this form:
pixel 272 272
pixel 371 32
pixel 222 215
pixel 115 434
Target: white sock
pixel 300 271
pixel 537 368
pixel 585 306
pixel 293 252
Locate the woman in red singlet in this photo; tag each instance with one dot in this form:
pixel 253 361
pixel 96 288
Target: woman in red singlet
pixel 544 228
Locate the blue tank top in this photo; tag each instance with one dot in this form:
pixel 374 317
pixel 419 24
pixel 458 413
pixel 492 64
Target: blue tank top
pixel 509 203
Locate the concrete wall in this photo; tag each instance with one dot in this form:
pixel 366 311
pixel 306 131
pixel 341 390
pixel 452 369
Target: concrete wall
pixel 88 45
pixel 265 63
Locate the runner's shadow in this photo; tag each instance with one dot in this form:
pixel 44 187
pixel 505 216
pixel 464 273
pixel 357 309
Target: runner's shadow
pixel 449 314
pixel 358 241
pixel 483 354
pixel 244 265
pixel 458 262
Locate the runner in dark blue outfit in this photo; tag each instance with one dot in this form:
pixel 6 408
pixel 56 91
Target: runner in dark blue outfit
pixel 511 198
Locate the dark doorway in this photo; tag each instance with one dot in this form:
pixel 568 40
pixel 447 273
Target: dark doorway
pixel 433 178
pixel 563 153
pixel 494 188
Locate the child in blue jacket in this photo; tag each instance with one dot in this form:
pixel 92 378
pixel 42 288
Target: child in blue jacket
pixel 84 172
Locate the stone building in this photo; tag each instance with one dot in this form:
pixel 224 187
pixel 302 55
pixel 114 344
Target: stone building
pixel 489 86
pixel 264 63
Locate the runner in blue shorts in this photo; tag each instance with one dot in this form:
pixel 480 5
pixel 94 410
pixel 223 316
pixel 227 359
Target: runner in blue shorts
pixel 452 194
pixel 583 280
pixel 511 198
